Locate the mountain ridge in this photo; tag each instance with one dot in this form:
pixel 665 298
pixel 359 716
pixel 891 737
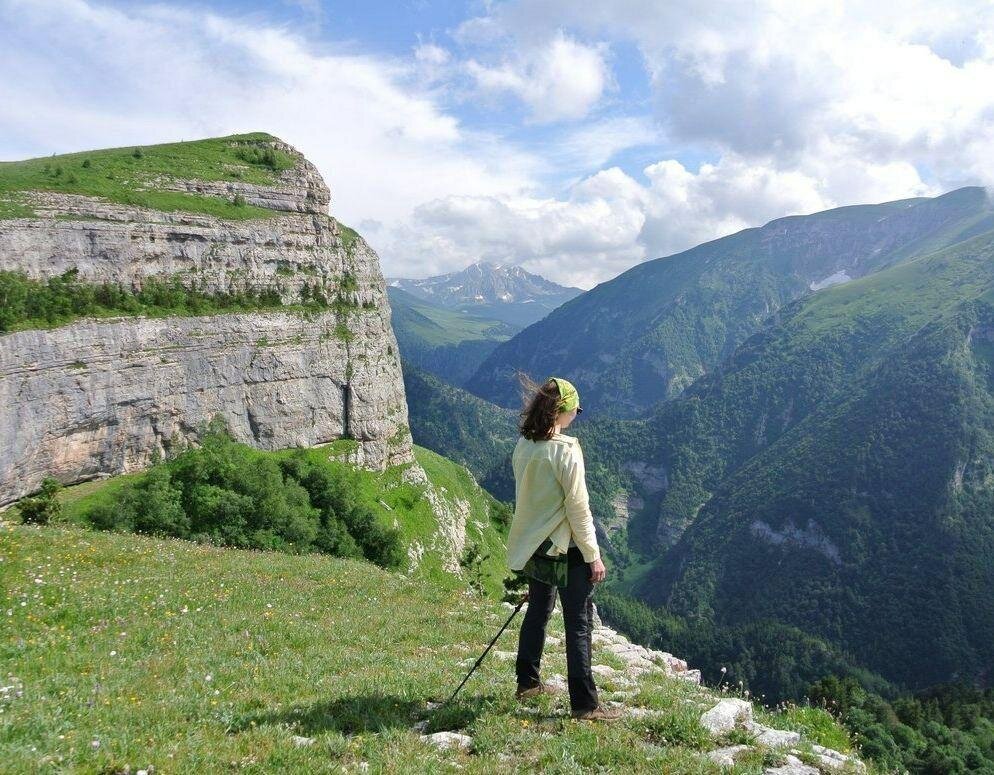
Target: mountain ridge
pixel 648 333
pixel 507 292
pixel 834 455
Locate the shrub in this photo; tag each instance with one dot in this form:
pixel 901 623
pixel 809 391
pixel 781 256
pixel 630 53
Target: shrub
pixel 227 493
pixel 44 507
pixel 501 514
pixel 515 584
pixel 239 200
pixel 262 157
pixel 472 562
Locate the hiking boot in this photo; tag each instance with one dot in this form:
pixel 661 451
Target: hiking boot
pixel 535 691
pixel 600 713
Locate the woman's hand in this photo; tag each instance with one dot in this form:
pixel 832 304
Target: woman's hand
pixel 597 571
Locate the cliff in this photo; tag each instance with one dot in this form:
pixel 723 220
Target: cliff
pixel 102 395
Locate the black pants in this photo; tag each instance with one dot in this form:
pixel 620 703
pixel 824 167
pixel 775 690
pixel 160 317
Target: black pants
pixel 577 604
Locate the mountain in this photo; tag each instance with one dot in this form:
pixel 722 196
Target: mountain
pixel 450 343
pixel 148 289
pixel 836 474
pixel 501 291
pixel 463 428
pixel 647 334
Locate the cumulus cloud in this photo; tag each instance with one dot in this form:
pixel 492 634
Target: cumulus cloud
pixel 610 220
pixel 795 107
pixel 905 82
pixel 559 79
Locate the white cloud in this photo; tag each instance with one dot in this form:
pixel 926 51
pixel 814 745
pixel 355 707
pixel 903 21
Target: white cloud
pixel 431 54
pixel 801 107
pixel 609 221
pixel 907 82
pixel 559 79
pixel 593 144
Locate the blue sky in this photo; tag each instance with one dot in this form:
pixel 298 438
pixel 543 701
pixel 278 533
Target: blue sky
pixel 575 139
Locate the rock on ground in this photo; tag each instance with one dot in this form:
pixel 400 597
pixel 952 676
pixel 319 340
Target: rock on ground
pixel 726 756
pixel 794 766
pixel 727 715
pixel 443 740
pixel 773 738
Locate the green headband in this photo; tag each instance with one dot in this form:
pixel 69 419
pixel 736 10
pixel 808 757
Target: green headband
pixel 569 399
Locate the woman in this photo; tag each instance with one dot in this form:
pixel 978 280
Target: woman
pixel 552 541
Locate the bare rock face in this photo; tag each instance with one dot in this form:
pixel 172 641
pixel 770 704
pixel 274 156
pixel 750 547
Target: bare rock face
pixel 100 397
pixel 109 242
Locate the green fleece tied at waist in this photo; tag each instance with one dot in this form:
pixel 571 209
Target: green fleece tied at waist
pixel 569 399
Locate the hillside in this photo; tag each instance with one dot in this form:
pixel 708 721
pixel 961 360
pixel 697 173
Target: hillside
pixel 647 334
pixel 146 290
pixel 834 475
pixel 501 291
pixel 450 343
pixel 126 653
pixel 463 428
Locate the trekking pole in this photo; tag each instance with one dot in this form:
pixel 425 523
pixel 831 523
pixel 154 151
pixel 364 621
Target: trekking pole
pixel 501 632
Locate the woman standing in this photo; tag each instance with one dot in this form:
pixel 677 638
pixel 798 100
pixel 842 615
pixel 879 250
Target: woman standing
pixel 552 541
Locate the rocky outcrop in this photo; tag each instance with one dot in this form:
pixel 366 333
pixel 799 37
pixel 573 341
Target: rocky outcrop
pixel 107 242
pixel 99 397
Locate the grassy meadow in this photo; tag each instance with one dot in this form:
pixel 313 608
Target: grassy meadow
pixel 122 652
pixel 129 176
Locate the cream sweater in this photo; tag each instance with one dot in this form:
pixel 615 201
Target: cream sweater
pixel 551 500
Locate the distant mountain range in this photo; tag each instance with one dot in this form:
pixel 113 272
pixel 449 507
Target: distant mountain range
pixel 447 342
pixel 813 464
pixel 649 333
pixel 498 291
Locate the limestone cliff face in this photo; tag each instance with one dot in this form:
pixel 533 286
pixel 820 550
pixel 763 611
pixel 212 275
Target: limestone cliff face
pixel 101 396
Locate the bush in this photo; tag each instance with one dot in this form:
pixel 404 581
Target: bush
pixel 239 200
pixel 501 514
pixel 262 157
pixel 44 507
pixel 472 562
pixel 333 495
pixel 515 585
pixel 227 493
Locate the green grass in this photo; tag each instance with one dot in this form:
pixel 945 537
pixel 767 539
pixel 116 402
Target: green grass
pixel 119 175
pixel 435 326
pixel 197 659
pixel 12 205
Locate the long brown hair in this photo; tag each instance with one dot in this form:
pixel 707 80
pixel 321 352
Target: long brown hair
pixel 540 407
